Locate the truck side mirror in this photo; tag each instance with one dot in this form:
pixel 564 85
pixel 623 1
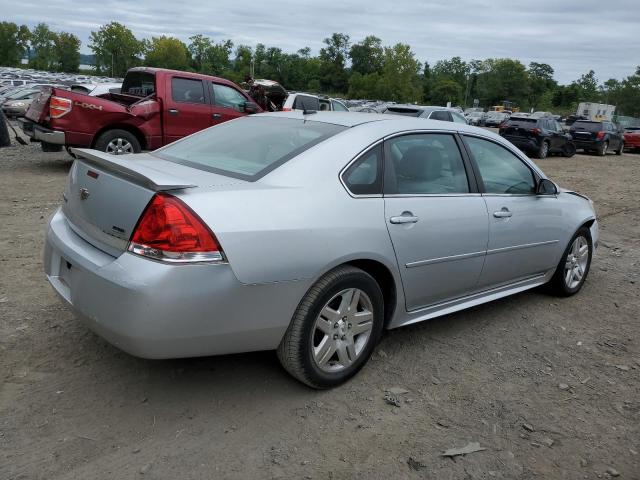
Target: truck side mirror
pixel 250 107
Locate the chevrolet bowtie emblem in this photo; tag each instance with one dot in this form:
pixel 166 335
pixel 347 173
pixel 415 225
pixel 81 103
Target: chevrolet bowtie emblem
pixel 84 194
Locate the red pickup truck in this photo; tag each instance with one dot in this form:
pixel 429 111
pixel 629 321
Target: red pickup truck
pixel 154 107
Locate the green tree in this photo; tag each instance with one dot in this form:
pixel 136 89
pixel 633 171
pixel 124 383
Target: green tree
pixel 67 52
pixel 198 49
pixel 13 43
pixel 242 62
pixel 43 46
pixel 116 49
pixel 333 57
pixel 446 90
pixel 502 79
pixel 217 57
pixel 587 87
pixel 167 52
pixel 540 82
pixel 400 81
pixel 367 56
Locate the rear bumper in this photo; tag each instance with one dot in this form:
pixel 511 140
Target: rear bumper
pixel 587 144
pixel 155 310
pixel 42 134
pixel 522 142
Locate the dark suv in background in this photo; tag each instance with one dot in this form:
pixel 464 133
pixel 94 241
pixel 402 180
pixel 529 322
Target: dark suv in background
pixel 597 136
pixel 538 136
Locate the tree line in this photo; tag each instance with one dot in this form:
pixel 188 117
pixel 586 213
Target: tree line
pixel 365 69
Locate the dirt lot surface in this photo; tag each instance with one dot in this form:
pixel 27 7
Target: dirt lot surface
pixel 550 388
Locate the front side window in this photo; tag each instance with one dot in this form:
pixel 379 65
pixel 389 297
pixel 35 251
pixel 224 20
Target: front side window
pixel 186 90
pixel 228 97
pixel 364 176
pixel 338 107
pixel 425 164
pixel 457 118
pixel 501 170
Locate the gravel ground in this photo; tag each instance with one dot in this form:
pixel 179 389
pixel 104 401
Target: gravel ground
pixel 549 387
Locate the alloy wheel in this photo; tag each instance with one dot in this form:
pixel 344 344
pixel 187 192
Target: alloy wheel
pixel 576 262
pixel 342 330
pixel 119 146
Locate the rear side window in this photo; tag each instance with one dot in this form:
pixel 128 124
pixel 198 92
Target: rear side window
pixel 364 176
pixel 248 148
pixel 228 97
pixel 140 84
pixel 186 90
pixel 440 115
pixel 523 122
pixel 306 102
pixel 501 170
pixel 422 164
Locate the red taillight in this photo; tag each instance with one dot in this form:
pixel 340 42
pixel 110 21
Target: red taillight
pixel 59 106
pixel 287 109
pixel 169 230
pixel 502 126
pixel 535 131
pixel 601 135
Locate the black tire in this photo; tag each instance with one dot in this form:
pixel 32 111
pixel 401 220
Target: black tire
pixel 295 349
pixel 558 285
pixel 543 150
pixel 569 150
pixel 5 139
pixel 602 150
pixel 621 149
pixel 50 147
pixel 107 139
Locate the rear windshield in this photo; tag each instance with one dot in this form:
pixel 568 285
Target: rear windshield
pixel 411 112
pixel 306 102
pixel 588 126
pixel 140 84
pixel 250 147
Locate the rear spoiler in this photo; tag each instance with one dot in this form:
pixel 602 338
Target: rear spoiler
pixel 138 171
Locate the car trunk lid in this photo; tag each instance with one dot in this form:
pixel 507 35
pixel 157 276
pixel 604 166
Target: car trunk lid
pixel 105 194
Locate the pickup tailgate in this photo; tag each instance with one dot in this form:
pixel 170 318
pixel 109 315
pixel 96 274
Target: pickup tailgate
pixel 106 194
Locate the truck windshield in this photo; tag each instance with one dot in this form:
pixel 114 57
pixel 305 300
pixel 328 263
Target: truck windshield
pixel 139 84
pixel 250 147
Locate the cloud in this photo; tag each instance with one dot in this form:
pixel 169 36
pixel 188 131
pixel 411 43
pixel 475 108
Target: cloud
pixel 573 36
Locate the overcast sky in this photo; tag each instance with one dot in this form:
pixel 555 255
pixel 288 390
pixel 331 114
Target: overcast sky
pixel 573 36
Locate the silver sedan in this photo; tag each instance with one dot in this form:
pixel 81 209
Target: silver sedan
pixel 309 234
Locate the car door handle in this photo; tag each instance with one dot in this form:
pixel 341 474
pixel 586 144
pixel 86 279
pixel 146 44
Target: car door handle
pixel 503 213
pixel 217 115
pixel 173 111
pixel 406 217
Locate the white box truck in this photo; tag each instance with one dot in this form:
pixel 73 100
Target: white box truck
pixel 596 111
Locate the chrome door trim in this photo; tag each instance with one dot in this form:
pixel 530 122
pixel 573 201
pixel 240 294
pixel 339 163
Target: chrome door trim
pixel 450 258
pixel 412 195
pixel 518 247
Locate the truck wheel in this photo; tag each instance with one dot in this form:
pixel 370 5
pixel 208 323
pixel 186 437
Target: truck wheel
pixel 118 142
pixel 50 147
pixel 5 140
pixel 569 150
pixel 602 151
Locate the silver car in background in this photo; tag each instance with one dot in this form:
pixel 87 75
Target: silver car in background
pixel 309 234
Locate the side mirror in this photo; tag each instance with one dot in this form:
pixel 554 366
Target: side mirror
pixel 250 107
pixel 546 187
